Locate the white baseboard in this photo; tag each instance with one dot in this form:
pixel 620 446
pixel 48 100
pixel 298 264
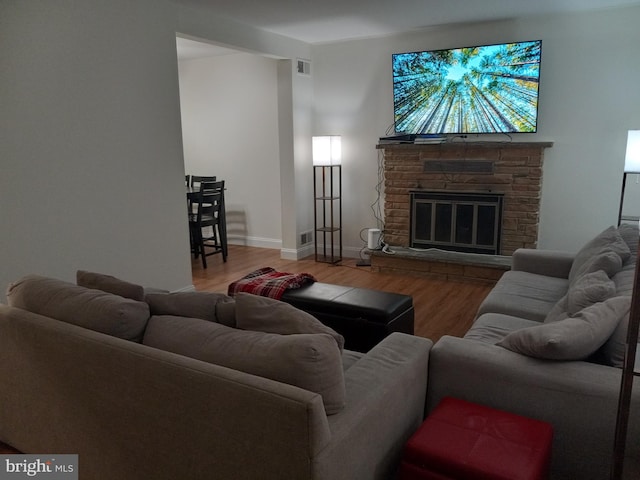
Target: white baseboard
pixel 261 242
pixel 289 253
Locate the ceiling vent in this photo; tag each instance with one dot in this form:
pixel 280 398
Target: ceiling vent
pixel 303 67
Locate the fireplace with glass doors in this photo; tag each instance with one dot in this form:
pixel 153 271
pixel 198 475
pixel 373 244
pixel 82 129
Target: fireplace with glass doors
pixel 460 221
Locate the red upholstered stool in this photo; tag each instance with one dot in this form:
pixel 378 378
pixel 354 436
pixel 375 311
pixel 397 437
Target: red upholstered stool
pixel 463 441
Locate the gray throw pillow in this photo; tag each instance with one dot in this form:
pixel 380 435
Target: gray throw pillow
pixel 608 240
pixel 264 314
pixel 590 288
pixel 110 284
pixel 312 362
pixel 606 260
pixel 558 311
pixel 574 338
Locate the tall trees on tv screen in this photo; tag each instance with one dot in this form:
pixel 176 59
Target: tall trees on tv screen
pixel 486 89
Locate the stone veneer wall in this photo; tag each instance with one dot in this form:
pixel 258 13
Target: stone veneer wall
pixel 516 172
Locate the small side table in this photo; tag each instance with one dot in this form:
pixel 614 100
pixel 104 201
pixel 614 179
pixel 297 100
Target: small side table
pixel 461 440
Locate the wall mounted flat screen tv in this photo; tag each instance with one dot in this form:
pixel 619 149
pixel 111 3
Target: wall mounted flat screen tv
pixel 474 90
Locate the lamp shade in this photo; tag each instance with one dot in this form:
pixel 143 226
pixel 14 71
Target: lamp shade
pixel 632 158
pixel 327 150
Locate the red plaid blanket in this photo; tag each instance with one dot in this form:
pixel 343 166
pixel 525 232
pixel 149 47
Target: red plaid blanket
pixel 269 283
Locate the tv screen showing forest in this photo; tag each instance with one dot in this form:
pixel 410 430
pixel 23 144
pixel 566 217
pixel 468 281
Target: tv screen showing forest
pixel 486 89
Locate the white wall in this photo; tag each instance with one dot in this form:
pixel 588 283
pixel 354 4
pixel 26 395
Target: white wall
pixel 91 153
pixel 229 108
pixel 91 149
pixel 631 202
pixel 294 99
pixel 588 100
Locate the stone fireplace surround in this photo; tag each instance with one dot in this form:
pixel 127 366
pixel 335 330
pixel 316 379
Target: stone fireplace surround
pixel 510 168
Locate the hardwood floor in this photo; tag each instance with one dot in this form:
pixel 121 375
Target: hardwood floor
pixel 441 308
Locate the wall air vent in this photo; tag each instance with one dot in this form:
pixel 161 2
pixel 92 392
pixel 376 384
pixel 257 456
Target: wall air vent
pixel 303 67
pixel 306 237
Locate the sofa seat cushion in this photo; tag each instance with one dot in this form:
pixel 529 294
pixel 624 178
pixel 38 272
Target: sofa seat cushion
pixel 526 295
pixel 575 338
pixel 264 314
pixel 309 361
pixel 491 328
pixel 93 309
pixel 349 359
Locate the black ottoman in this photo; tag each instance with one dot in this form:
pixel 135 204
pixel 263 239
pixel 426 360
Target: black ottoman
pixel 362 316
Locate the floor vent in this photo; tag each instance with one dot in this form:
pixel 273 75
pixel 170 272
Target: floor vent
pixel 306 237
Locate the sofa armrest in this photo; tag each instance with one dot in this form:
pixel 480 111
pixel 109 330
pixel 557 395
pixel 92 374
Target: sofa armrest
pixel 579 399
pixel 386 392
pixel 552 263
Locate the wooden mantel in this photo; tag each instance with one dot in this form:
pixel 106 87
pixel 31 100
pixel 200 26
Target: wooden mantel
pixel 457 145
pixel 510 168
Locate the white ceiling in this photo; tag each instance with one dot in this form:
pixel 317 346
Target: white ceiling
pixel 322 21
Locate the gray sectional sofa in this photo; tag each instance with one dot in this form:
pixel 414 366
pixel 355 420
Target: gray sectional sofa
pixel 548 342
pixel 196 386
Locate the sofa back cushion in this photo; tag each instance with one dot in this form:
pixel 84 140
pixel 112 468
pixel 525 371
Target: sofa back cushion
pixel 309 361
pixel 625 277
pixel 88 308
pixel 630 234
pixel 264 314
pixel 110 284
pixel 203 305
pixel 614 349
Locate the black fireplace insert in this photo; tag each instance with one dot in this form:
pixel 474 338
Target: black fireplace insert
pixel 459 221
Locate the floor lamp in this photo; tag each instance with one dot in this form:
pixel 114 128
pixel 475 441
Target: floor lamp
pixel 631 164
pixel 327 191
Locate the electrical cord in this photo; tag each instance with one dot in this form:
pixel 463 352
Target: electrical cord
pixel 386 249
